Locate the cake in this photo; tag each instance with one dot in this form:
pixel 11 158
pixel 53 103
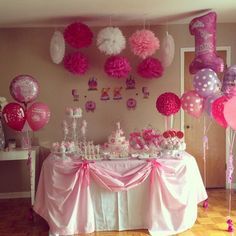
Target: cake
pixel 117 143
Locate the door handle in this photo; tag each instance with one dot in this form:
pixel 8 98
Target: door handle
pixel 187 127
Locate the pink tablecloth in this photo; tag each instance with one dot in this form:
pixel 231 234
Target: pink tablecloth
pixel 160 195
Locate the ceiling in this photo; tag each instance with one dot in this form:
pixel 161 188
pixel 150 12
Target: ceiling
pixel 56 13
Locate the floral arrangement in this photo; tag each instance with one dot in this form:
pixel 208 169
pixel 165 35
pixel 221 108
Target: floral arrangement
pixel 168 104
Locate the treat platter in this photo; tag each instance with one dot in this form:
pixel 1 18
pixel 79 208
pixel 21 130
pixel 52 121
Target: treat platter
pixel 145 144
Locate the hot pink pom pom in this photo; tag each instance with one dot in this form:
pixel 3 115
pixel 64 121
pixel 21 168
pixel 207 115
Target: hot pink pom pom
pixel 78 35
pixel 76 63
pixel 144 43
pixel 168 104
pixel 150 68
pixel 117 66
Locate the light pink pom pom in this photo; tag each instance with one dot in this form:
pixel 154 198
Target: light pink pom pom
pixel 150 68
pixel 144 43
pixel 78 35
pixel 117 67
pixel 76 63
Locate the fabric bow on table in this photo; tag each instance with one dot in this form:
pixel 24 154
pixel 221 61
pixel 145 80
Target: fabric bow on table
pixel 155 165
pixel 84 167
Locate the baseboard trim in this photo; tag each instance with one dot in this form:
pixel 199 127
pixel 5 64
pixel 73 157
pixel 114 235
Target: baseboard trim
pixel 15 195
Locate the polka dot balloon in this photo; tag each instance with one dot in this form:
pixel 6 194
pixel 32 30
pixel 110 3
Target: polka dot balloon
pixel 206 82
pixel 192 103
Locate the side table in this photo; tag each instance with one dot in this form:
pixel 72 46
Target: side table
pixel 22 154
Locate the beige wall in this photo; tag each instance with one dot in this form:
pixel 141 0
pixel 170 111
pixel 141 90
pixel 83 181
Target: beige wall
pixel 27 51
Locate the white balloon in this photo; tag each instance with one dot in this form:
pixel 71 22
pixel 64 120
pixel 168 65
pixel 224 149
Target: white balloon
pixel 167 50
pixel 57 47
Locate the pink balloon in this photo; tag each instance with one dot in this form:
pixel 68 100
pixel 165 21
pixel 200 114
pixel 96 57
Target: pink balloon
pixel 204 30
pixel 14 116
pixel 24 88
pixel 217 109
pixel 230 112
pixel 192 103
pixel 38 115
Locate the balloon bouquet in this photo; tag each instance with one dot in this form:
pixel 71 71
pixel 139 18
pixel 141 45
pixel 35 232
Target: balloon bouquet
pixel 218 102
pixel 24 118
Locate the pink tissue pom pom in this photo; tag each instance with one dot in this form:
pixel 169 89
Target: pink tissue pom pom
pixel 144 43
pixel 168 104
pixel 76 63
pixel 117 66
pixel 150 68
pixel 78 35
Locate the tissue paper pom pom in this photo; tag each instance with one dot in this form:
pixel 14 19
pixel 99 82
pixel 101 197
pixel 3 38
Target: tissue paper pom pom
pixel 168 104
pixel 144 43
pixel 117 66
pixel 76 63
pixel 167 50
pixel 150 68
pixel 78 35
pixel 57 47
pixel 111 41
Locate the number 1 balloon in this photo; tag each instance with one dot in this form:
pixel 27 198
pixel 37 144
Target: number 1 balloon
pixel 204 30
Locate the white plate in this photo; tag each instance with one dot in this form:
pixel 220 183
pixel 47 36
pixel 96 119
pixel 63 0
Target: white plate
pixel 143 156
pixel 135 155
pixel 118 158
pixel 63 153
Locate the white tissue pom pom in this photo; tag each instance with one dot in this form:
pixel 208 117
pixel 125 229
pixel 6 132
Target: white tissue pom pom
pixel 57 47
pixel 111 40
pixel 167 50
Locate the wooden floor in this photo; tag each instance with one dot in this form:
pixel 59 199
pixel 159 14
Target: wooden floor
pixel 14 222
